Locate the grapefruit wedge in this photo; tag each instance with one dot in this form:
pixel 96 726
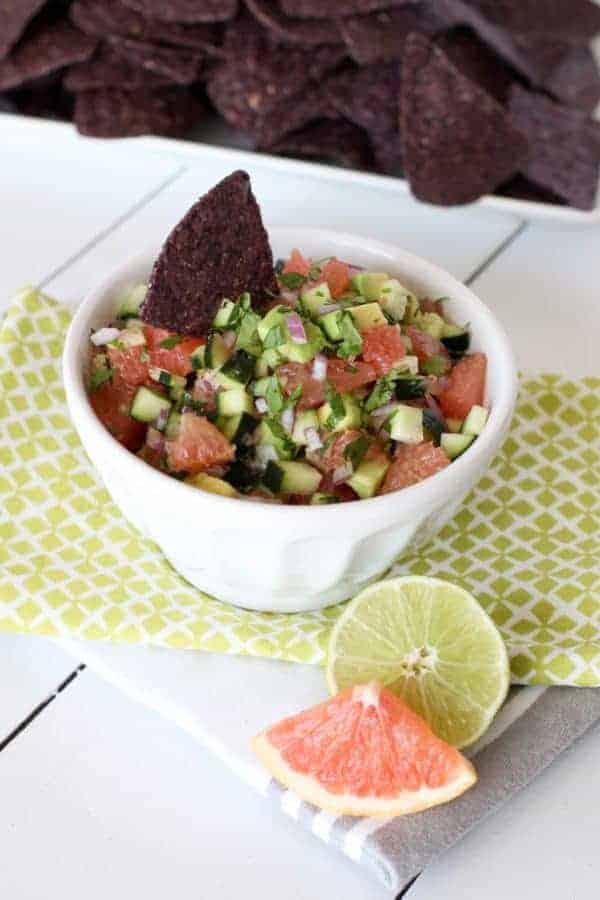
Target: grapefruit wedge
pixel 364 752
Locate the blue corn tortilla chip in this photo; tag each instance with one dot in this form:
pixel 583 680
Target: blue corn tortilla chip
pixel 328 9
pixel 45 49
pixel 575 80
pixel 458 143
pixel 112 113
pixel 243 88
pixel 219 249
pixel 178 65
pixel 338 142
pixel 108 69
pixel 380 37
pixel 310 105
pixel 478 62
pixel 188 12
pixel 15 16
pixel 103 18
pixel 370 98
pixel 305 32
pixel 577 21
pixel 523 189
pixel 564 143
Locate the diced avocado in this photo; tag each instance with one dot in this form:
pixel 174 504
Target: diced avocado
pixel 147 405
pixel 232 403
pixel 431 324
pixel 221 320
pixel 475 421
pixel 273 434
pixel 408 387
pixel 197 358
pixel 272 319
pixel 211 484
pixel 367 316
pixel 412 310
pixel 393 299
pixel 217 352
pixel 302 353
pixel 172 426
pixel 454 425
pixel 349 418
pixel 455 444
pixel 239 368
pixel 331 323
pixel 406 424
pixel 241 475
pixel 236 428
pixel 129 301
pixel 369 284
pixel 456 340
pixel 167 378
pixel 367 479
pixel 306 418
pixel 436 365
pixel 314 298
pixel 408 364
pixel 320 499
pixel 292 478
pixel 260 386
pixel 131 337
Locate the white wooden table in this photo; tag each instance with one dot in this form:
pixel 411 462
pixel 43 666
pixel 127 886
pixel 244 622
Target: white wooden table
pixel 95 795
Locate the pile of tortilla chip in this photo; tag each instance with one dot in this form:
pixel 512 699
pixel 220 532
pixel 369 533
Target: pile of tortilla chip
pixel 461 97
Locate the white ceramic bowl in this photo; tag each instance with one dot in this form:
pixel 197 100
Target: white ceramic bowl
pixel 291 558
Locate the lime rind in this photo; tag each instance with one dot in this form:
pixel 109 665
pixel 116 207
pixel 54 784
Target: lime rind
pixel 431 643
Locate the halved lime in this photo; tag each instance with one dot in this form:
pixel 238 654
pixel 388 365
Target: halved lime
pixel 432 644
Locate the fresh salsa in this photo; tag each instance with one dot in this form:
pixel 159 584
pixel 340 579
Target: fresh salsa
pixel 345 385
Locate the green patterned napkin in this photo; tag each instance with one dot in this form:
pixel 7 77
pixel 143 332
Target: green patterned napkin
pixel 525 543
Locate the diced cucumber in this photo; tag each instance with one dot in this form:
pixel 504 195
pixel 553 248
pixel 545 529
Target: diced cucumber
pixel 431 324
pixel 412 310
pixel 273 434
pixel 408 364
pixel 455 444
pixel 167 378
pixel 129 301
pixel 456 341
pixel 130 337
pixel 236 428
pixel 217 352
pixel 133 324
pixel 331 323
pixel 211 484
pixel 260 386
pixel 291 478
pixel 314 298
pixel 272 319
pixel 267 362
pixel 221 320
pixel 369 284
pixel 393 299
pixel 406 424
pixel 147 405
pixel 367 316
pixel 238 370
pixel 197 358
pixel 475 421
pixel 436 365
pixel 351 417
pixel 242 476
pixel 247 338
pixel 432 426
pixel 454 425
pixel 408 387
pixel 367 479
pixel 302 353
pixel 306 418
pixel 320 499
pixel 232 403
pixel 172 426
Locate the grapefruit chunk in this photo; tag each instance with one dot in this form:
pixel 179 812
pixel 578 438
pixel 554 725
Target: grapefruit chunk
pixel 465 387
pixel 364 752
pixel 198 446
pixel 383 348
pixel 413 463
pixel 296 263
pixel 337 276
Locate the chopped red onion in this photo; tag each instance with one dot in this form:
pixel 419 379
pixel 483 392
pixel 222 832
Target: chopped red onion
pixel 289 297
pixel 161 419
pixel 319 367
pixel 296 328
pixel 155 440
pixel 229 339
pixel 287 419
pixel 342 473
pixel 434 407
pixel 313 441
pixel 261 405
pixel 104 336
pixel 329 308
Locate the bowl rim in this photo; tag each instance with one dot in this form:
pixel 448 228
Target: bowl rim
pixel 423 493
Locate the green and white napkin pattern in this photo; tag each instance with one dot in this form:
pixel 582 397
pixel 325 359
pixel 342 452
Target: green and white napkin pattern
pixel 526 542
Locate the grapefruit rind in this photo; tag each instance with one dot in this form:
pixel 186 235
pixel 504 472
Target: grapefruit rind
pixel 309 789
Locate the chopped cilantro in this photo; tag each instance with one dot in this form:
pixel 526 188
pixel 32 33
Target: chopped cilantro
pixel 274 396
pixel 242 307
pixel 351 340
pixel 355 451
pixel 292 280
pixel 285 445
pixel 99 376
pixel 274 337
pixel 382 393
pixel 336 404
pixel 171 342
